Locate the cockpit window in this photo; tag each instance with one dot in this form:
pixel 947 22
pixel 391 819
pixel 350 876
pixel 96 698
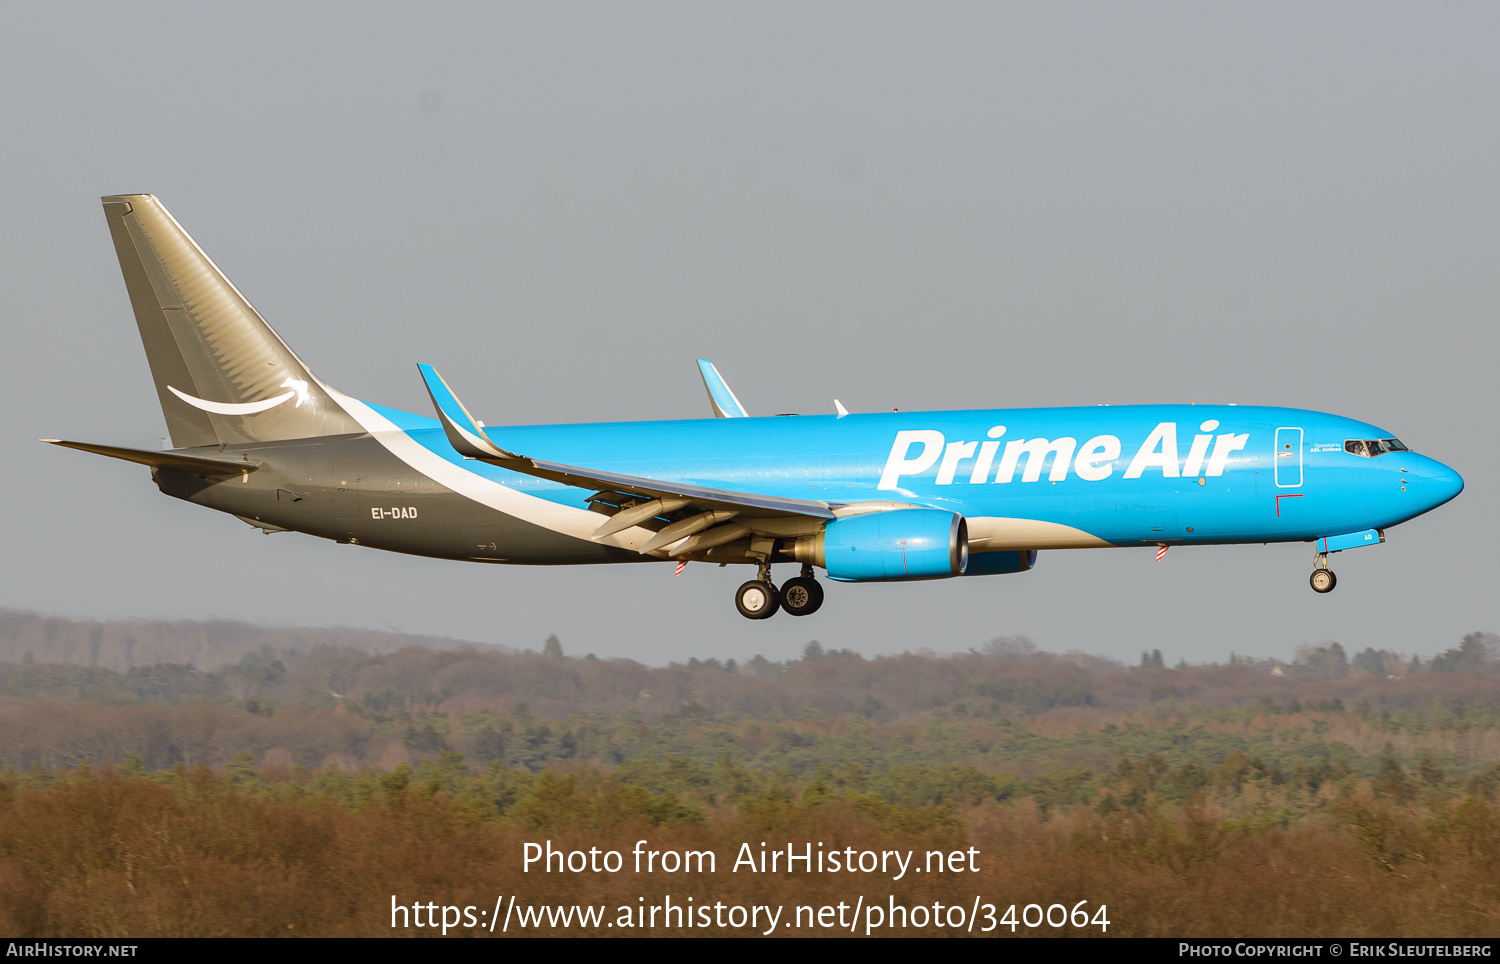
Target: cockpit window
pixel 1370 448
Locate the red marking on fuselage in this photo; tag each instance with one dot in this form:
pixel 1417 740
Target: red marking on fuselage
pixel 1289 495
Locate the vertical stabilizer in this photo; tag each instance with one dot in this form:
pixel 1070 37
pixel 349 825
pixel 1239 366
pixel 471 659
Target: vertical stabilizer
pixel 222 375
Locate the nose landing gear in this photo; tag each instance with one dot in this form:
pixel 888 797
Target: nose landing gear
pixel 1322 578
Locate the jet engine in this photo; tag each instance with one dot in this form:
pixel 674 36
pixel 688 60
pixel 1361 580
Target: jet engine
pixel 890 546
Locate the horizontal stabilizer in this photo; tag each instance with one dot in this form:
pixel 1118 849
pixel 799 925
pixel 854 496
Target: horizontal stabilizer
pixel 196 464
pixel 723 400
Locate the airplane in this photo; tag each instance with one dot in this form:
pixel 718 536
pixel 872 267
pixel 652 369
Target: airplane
pixel 866 497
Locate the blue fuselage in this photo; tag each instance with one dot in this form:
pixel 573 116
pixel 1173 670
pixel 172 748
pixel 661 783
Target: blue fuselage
pixel 1024 478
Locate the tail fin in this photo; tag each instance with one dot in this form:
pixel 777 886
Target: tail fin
pixel 222 375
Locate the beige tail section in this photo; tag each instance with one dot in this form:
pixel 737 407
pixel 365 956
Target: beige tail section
pixel 222 375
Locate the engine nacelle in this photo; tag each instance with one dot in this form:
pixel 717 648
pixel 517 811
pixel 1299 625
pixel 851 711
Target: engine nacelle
pixel 1001 562
pixel 888 546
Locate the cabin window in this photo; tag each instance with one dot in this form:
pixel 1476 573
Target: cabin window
pixel 1370 448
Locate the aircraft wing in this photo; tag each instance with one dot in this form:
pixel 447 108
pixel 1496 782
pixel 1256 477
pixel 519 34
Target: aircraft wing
pixel 655 497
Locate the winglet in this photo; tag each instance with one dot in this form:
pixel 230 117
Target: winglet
pixel 723 400
pixel 464 433
pixel 839 407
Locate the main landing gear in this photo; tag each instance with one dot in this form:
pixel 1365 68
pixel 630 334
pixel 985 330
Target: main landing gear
pixel 757 600
pixel 1322 578
pixel 803 595
pixel 760 599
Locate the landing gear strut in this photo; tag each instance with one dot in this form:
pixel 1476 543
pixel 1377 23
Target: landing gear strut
pixel 760 599
pixel 1322 578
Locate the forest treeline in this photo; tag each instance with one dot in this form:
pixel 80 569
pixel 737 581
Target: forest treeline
pixel 1009 674
pixel 295 789
pixel 1009 709
pixel 121 645
pixel 246 852
pixel 1063 760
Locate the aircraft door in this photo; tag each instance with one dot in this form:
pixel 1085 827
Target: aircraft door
pixel 1288 458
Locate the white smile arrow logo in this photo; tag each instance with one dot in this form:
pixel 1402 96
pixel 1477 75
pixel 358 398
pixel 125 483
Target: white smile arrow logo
pixel 298 388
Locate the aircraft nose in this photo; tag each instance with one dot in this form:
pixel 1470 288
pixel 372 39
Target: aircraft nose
pixel 1436 482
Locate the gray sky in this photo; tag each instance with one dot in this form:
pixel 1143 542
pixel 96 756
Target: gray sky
pixel 919 205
